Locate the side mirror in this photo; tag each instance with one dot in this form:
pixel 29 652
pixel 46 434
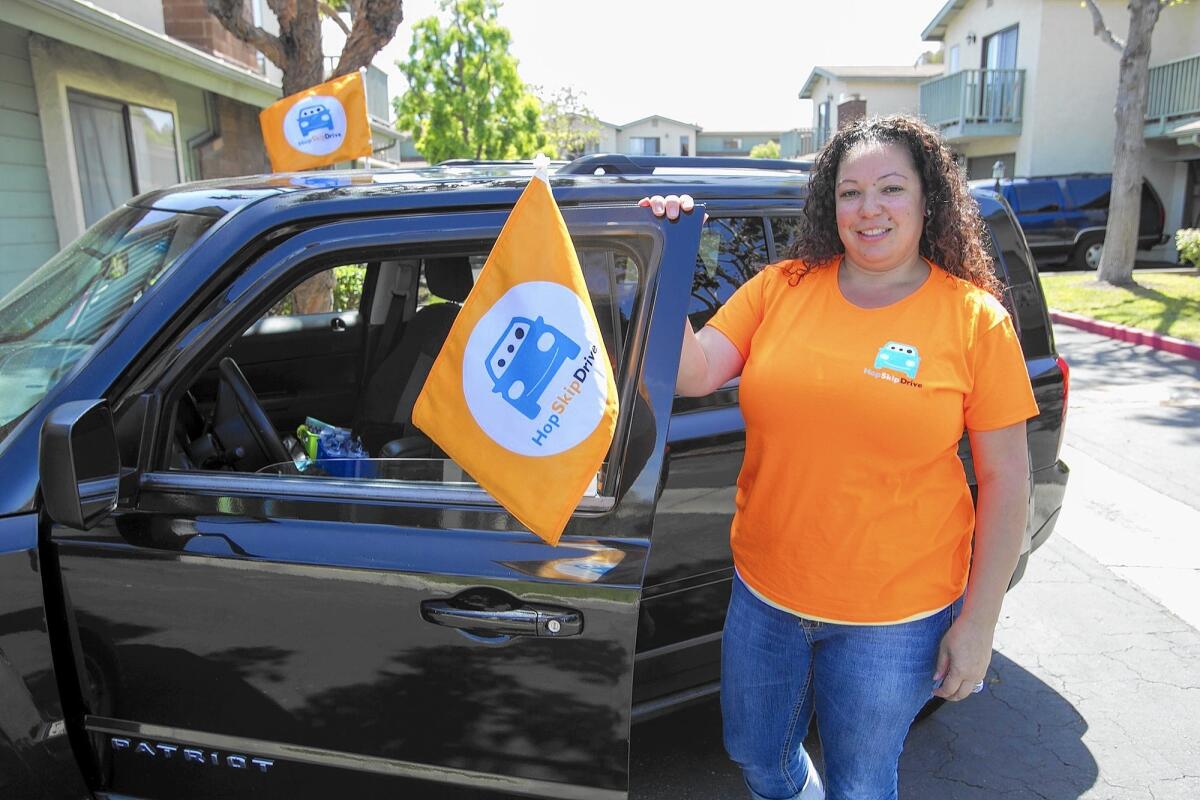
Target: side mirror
pixel 79 464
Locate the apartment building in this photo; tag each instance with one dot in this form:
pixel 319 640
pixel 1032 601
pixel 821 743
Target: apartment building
pixel 659 135
pixel 101 101
pixel 841 95
pixel 1027 83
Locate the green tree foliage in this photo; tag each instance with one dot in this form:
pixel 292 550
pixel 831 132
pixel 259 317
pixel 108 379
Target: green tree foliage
pixel 571 128
pixel 465 98
pixel 765 150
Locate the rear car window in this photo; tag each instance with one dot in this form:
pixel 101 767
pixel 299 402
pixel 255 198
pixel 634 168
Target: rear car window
pixel 732 251
pixel 1090 194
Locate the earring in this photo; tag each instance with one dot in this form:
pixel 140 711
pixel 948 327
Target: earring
pixel 928 212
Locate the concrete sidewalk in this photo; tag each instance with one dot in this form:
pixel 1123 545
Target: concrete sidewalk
pixel 1093 694
pixel 1142 535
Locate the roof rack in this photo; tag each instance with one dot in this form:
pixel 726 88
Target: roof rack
pixel 493 162
pixel 611 164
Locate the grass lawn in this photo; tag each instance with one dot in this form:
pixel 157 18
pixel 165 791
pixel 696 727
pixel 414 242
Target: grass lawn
pixel 1163 302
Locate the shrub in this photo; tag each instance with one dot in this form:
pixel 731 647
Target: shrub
pixel 1187 241
pixel 348 290
pixel 768 149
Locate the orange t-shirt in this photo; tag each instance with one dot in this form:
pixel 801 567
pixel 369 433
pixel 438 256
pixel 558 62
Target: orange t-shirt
pixel 852 504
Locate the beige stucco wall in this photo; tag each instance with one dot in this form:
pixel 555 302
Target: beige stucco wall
pixel 883 97
pixel 979 20
pixel 668 134
pixel 608 138
pixel 1073 112
pixel 823 88
pixel 1070 76
pixel 1165 167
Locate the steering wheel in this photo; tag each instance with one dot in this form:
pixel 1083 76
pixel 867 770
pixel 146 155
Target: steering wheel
pixel 251 412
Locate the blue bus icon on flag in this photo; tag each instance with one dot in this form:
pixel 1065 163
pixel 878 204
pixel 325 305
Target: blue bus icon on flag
pixel 313 118
pixel 525 360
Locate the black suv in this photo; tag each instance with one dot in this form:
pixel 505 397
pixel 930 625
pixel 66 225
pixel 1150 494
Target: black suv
pixel 186 615
pixel 1064 216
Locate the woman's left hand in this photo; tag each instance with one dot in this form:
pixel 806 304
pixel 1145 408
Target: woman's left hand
pixel 963 658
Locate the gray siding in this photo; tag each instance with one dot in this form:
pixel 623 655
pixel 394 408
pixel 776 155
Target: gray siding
pixel 28 235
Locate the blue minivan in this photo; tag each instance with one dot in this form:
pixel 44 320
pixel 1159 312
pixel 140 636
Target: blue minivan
pixel 1064 216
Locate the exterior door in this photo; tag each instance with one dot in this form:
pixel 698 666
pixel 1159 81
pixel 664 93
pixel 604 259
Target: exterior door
pixel 999 84
pixel 277 635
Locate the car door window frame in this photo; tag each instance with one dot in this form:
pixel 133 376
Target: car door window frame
pixel 325 246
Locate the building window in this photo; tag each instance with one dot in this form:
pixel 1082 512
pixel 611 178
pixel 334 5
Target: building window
pixel 120 150
pixel 683 145
pixel 731 144
pixel 953 61
pixel 643 146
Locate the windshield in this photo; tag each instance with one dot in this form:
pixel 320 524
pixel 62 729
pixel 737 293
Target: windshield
pixel 56 314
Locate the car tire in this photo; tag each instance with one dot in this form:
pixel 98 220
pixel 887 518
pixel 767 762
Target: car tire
pixel 1087 252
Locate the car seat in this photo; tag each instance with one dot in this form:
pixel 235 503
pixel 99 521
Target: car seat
pixel 385 424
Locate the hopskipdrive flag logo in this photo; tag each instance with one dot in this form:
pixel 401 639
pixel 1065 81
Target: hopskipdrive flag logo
pixel 316 125
pixel 533 371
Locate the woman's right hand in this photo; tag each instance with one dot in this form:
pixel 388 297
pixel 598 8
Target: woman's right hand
pixel 669 206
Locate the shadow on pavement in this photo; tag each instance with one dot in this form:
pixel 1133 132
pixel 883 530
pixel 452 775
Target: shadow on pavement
pixel 1019 739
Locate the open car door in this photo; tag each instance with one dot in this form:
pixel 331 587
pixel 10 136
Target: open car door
pixel 255 634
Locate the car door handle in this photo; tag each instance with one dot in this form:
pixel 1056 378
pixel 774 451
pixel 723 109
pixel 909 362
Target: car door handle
pixel 527 619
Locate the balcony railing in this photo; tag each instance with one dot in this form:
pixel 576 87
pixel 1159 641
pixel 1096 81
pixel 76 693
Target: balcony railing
pixel 1174 91
pixel 975 102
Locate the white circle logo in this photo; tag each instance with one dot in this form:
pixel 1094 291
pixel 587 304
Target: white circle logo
pixel 316 125
pixel 533 371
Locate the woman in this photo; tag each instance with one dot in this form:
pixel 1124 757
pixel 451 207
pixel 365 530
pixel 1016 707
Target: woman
pixel 862 358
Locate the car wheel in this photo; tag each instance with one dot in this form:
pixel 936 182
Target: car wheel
pixel 1088 251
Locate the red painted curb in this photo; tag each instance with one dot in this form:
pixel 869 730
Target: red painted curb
pixel 1124 333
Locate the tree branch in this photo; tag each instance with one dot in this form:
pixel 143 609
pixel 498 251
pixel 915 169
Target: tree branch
pixel 284 11
pixel 232 15
pixel 331 12
pixel 1101 30
pixel 374 26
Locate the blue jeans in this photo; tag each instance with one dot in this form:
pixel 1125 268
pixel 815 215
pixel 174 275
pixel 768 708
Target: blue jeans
pixel 865 682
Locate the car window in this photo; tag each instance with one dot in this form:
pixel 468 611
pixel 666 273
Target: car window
pixel 1038 197
pixel 784 231
pixel 732 250
pixel 335 290
pixel 339 396
pixel 1090 194
pixel 57 314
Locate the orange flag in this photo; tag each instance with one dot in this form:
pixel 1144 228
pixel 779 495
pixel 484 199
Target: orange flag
pixel 522 394
pixel 324 124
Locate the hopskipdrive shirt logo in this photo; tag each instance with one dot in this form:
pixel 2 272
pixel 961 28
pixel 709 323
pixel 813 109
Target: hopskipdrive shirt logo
pixel 532 370
pixel 897 363
pixel 316 125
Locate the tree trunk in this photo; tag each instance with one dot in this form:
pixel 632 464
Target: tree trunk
pixel 1124 208
pixel 301 39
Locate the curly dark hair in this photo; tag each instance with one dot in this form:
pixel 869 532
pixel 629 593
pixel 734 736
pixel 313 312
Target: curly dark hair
pixel 954 231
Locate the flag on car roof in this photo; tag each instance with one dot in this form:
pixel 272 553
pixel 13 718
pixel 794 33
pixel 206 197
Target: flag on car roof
pixel 321 125
pixel 522 394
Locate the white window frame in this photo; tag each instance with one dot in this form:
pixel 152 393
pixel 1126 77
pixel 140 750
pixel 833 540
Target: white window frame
pixel 58 68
